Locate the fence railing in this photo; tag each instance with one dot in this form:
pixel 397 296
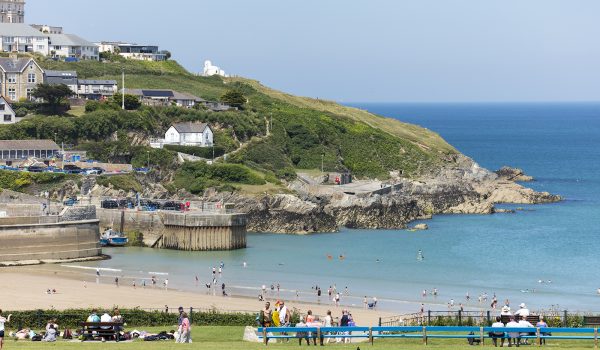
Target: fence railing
pixel 554 318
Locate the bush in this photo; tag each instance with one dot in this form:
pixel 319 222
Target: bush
pixel 202 152
pixel 120 182
pixel 37 319
pixel 197 176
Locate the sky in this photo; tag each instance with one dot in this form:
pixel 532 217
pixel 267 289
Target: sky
pixel 365 51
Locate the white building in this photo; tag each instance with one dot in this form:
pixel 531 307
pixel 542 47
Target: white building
pixel 133 51
pixel 96 89
pixel 72 46
pixel 46 29
pixel 12 11
pixel 210 70
pixel 186 134
pixel 56 77
pixel 16 37
pixel 7 114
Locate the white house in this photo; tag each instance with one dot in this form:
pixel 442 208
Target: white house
pixel 7 114
pixel 210 70
pixel 186 134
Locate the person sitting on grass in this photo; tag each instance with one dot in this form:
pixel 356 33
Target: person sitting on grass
pixel 50 335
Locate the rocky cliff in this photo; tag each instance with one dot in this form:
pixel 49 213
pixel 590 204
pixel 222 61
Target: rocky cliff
pixel 464 188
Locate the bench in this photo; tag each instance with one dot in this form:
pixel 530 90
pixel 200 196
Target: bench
pixel 472 334
pixel 103 330
pixel 533 319
pixel 591 320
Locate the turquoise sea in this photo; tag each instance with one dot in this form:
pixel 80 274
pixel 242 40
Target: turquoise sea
pixel 505 254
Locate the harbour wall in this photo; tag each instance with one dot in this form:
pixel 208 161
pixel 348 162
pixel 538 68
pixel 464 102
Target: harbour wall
pixel 73 235
pixel 194 230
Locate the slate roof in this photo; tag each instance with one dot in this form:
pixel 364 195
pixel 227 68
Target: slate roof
pixel 61 73
pixel 97 82
pixel 19 29
pixel 28 145
pixel 10 65
pixel 189 127
pixel 68 40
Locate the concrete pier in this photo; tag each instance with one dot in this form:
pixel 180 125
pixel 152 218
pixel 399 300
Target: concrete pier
pixel 193 230
pixel 72 235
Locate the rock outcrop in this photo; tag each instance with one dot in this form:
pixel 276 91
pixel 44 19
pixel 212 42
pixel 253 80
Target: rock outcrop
pixel 513 174
pixel 464 188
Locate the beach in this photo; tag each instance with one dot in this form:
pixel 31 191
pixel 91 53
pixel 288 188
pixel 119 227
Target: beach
pixel 24 288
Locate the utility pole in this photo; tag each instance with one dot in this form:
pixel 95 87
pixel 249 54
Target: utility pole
pixel 123 90
pixel 322 161
pixel 148 153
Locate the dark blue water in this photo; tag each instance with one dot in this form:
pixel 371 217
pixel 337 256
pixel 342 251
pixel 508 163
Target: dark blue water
pixel 506 254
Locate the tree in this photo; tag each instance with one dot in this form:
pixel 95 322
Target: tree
pixel 131 102
pixel 54 95
pixel 233 98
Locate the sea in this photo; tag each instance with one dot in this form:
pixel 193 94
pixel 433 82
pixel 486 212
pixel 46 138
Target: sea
pixel 543 255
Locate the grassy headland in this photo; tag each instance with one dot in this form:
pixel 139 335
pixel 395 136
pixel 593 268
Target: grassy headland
pixel 304 131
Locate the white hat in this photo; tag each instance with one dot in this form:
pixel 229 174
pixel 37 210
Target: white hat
pixel 505 308
pixel 522 305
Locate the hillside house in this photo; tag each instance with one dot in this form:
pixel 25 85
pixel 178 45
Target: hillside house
pixel 155 97
pixel 96 89
pixel 11 150
pixel 56 77
pixel 18 77
pixel 7 114
pixel 186 134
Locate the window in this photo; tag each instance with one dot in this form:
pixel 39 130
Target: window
pixel 12 93
pixel 12 78
pixel 29 93
pixel 2 106
pixel 40 47
pixel 8 118
pixel 31 78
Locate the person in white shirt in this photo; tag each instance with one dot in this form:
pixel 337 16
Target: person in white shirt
pixel 328 323
pixel 106 318
pixel 3 320
pixel 523 323
pixel 523 310
pixel 496 335
pixel 513 337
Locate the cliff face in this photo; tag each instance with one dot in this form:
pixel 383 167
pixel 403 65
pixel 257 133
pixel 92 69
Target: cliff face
pixel 463 188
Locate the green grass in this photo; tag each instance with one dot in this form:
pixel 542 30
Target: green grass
pixel 226 337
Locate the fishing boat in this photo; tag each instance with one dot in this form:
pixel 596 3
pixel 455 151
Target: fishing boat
pixel 113 238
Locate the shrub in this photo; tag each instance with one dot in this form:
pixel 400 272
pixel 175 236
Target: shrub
pixel 120 182
pixel 203 152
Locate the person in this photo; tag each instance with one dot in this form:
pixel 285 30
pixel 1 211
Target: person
pixel 542 324
pixel 117 281
pixel 365 302
pixel 302 335
pixel 166 283
pixel 328 323
pixel 105 318
pixel 337 299
pixel 309 317
pixel 284 315
pixel 505 311
pixel 513 337
pixel 50 335
pixel 93 317
pixel 496 335
pixel 523 323
pixel 523 310
pixel 266 315
pixel 117 318
pixel 3 320
pixel 50 324
pixel 275 315
pixel 184 329
pixel 343 323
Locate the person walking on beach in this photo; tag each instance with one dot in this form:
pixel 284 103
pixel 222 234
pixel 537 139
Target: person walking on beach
pixel 337 299
pixel 3 320
pixel 365 303
pixel 117 282
pixel 166 283
pixel 319 295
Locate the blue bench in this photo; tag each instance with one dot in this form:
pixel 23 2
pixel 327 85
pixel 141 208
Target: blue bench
pixel 429 332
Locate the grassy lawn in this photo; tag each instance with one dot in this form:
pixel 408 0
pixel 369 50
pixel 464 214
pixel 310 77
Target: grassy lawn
pixel 213 337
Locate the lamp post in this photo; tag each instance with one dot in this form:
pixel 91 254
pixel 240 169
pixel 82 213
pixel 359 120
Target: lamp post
pixel 123 89
pixel 148 153
pixel 322 161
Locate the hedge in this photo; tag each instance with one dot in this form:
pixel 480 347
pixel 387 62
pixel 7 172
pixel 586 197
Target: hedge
pixel 37 319
pixel 202 152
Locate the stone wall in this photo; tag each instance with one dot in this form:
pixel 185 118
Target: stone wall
pixel 28 239
pixel 183 231
pixel 84 212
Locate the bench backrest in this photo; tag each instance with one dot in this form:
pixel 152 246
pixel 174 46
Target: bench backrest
pixel 100 324
pixel 533 319
pixel 591 320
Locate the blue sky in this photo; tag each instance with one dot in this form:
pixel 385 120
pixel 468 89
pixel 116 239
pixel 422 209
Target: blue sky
pixel 376 50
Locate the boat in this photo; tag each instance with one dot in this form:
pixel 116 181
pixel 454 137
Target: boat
pixel 113 238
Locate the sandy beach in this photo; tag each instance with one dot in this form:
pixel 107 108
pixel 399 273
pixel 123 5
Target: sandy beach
pixel 24 288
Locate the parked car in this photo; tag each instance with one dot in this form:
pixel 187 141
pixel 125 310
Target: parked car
pixel 71 201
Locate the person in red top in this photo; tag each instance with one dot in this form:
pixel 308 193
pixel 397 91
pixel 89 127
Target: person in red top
pixel 185 334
